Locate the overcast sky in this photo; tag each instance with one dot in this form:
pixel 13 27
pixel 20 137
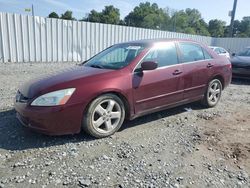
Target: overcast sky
pixel 210 9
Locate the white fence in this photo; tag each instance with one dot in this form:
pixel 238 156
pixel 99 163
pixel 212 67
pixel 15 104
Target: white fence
pixel 36 39
pixel 232 44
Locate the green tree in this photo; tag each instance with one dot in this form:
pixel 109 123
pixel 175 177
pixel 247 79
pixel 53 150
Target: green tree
pixel 216 28
pixel 244 27
pixel 203 28
pixel 93 16
pixel 67 15
pixel 53 15
pixel 236 29
pixel 109 15
pixel 189 21
pixel 148 16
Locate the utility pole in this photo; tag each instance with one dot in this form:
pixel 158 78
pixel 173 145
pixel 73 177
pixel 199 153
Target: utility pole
pixel 32 7
pixel 232 19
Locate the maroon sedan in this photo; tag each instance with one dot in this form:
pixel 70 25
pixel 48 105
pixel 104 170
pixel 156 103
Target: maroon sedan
pixel 126 80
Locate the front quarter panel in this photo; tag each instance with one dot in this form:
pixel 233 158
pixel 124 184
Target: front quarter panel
pixel 88 89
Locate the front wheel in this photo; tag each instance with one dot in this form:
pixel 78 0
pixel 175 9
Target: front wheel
pixel 104 116
pixel 213 93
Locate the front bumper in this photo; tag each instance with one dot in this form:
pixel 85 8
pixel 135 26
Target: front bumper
pixel 58 120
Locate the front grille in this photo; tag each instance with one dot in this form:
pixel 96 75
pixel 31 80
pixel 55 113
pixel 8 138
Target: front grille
pixel 21 98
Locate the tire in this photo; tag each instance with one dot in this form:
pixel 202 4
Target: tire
pixel 213 93
pixel 104 116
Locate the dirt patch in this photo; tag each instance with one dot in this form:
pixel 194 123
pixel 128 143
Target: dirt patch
pixel 187 146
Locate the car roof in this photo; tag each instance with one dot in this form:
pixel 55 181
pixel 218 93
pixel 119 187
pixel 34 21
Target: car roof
pixel 213 47
pixel 153 41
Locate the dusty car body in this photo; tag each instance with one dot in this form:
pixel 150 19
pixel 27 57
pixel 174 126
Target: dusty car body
pixel 149 75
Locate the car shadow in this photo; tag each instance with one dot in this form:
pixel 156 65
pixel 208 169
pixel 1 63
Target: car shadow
pixel 162 114
pixel 13 136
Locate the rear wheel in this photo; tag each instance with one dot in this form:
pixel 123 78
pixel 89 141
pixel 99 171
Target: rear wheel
pixel 213 93
pixel 104 116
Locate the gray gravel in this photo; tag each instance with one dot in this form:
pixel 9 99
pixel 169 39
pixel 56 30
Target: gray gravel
pixel 187 146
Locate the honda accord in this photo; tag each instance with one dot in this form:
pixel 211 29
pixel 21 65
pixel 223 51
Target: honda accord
pixel 124 81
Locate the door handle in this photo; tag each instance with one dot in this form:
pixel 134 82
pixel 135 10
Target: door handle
pixel 209 65
pixel 177 72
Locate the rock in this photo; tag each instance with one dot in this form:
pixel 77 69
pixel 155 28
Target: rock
pixel 105 157
pixel 85 182
pixel 211 149
pixel 20 180
pixel 179 179
pixel 240 167
pixel 239 183
pixel 58 181
pixel 210 167
pixel 32 181
pixel 219 170
pixel 18 164
pixel 242 176
pixel 138 181
pixel 231 175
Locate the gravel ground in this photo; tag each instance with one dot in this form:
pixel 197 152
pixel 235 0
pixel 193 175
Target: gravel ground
pixel 187 146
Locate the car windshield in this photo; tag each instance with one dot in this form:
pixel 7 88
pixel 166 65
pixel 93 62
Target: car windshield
pixel 116 57
pixel 245 52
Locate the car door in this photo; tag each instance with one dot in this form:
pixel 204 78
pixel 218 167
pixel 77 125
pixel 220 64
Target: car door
pixel 160 87
pixel 197 66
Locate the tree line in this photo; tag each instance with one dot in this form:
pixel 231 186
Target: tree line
pixel 147 15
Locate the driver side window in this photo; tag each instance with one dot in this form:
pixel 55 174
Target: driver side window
pixel 164 54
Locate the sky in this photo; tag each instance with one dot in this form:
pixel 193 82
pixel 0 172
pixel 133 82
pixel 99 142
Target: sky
pixel 210 9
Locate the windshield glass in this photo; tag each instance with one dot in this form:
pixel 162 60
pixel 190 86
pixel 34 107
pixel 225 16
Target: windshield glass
pixel 116 57
pixel 245 52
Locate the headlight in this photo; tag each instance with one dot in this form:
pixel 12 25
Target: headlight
pixel 54 98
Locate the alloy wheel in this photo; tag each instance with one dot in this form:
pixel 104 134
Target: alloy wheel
pixel 214 92
pixel 106 116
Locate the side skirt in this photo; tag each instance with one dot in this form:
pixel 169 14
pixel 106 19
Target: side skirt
pixel 167 106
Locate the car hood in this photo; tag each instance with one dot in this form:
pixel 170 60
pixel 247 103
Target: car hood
pixel 240 60
pixel 39 85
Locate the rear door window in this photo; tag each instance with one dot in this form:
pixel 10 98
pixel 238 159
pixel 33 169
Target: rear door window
pixel 191 52
pixel 217 50
pixel 206 54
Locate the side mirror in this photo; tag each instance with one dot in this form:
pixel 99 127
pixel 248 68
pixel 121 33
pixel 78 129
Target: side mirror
pixel 149 65
pixel 233 54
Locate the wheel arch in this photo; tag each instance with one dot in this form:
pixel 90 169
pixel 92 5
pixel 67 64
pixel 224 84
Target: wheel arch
pixel 118 94
pixel 219 77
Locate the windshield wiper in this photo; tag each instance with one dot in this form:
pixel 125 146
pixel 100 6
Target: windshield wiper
pixel 96 66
